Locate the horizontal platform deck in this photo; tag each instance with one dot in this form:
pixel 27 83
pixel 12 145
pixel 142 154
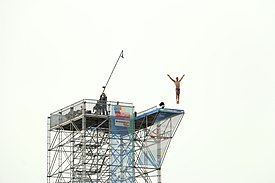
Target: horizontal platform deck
pixel 142 120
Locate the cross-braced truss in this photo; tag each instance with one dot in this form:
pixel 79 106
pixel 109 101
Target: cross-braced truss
pixel 81 145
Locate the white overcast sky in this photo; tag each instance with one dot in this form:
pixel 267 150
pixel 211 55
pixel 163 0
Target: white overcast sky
pixel 56 52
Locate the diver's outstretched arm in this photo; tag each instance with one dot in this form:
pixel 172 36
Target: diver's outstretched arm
pixel 170 77
pixel 182 77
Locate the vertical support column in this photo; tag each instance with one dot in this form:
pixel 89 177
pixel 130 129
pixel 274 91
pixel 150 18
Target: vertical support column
pixel 145 150
pixel 121 156
pixel 83 176
pixel 159 175
pixel 72 166
pixel 97 154
pixel 59 149
pixel 48 148
pixel 159 152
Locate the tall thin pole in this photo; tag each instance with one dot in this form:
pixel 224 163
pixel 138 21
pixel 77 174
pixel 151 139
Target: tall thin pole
pixel 159 152
pixel 48 146
pixel 84 142
pixel 120 55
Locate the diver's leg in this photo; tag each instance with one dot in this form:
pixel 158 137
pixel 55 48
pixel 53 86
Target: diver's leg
pixel 178 96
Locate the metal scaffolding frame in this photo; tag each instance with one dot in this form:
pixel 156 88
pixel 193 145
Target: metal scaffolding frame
pixel 79 143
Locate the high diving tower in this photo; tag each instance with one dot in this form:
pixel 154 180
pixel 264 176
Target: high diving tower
pixel 94 142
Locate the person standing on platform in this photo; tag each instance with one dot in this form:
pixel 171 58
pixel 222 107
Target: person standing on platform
pixel 103 104
pixel 177 83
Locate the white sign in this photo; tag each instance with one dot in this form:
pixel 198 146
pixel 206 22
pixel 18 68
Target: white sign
pixel 122 122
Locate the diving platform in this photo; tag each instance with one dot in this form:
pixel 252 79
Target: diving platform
pixel 98 115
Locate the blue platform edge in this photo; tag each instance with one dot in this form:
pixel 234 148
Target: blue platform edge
pixel 163 113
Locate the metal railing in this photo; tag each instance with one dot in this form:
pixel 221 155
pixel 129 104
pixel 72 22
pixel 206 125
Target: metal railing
pixel 85 106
